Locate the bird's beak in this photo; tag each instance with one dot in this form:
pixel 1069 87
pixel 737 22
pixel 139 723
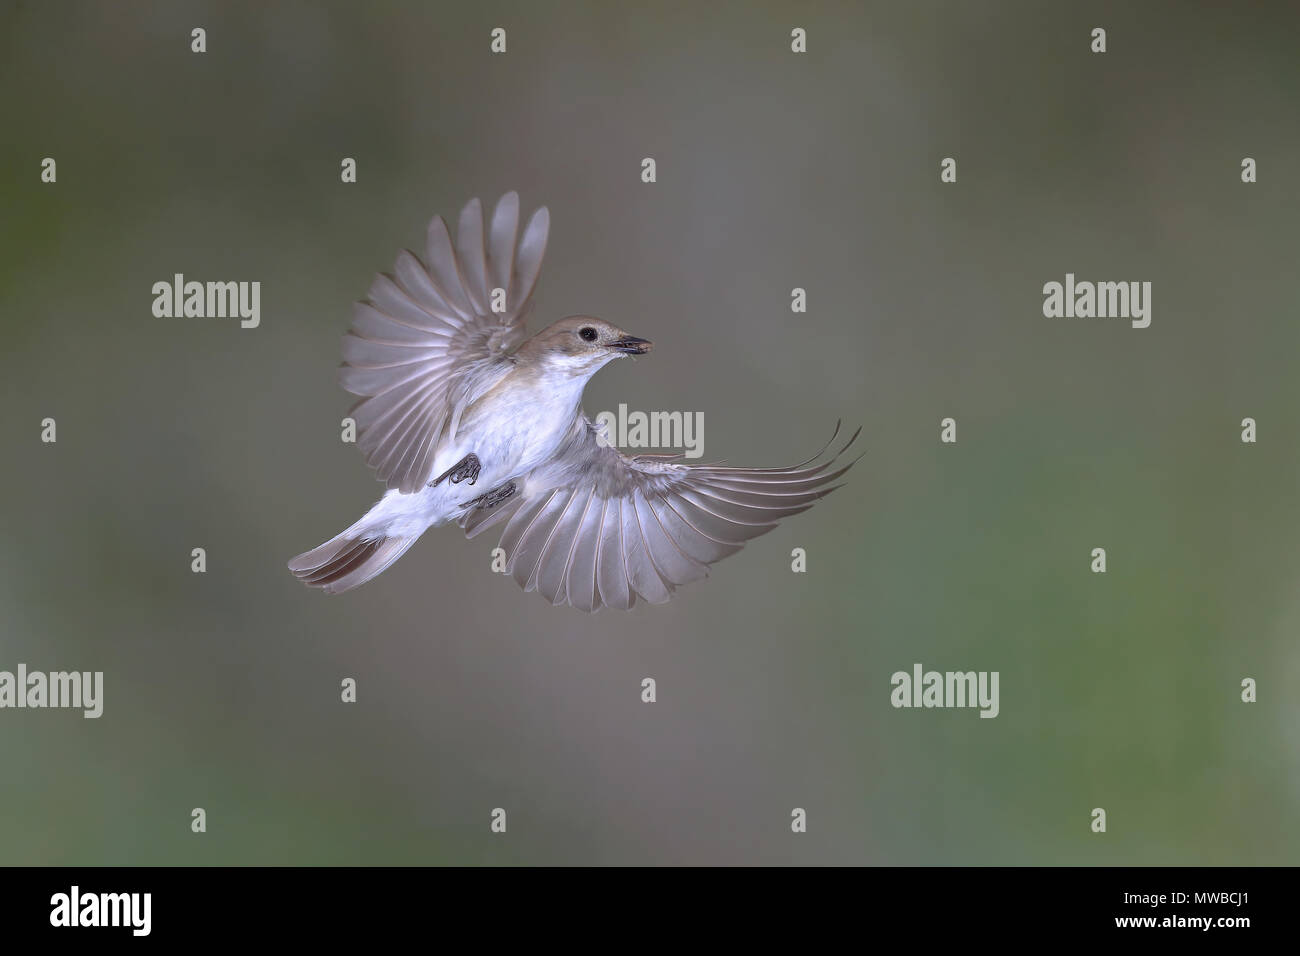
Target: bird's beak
pixel 631 345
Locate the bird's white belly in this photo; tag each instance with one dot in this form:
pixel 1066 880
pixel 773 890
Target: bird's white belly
pixel 510 436
pixel 517 446
pixel 514 429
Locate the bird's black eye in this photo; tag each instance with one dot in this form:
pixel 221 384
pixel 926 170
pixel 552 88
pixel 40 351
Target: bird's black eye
pixel 587 333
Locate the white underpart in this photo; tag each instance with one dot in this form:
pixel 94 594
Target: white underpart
pixel 513 429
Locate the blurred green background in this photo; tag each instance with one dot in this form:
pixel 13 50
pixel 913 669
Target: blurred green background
pixel 775 170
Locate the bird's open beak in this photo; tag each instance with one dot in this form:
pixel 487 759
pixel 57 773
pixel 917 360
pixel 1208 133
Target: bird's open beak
pixel 631 345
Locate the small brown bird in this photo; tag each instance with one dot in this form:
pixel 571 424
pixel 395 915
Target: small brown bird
pixel 468 421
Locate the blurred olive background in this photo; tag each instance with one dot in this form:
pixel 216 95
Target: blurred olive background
pixel 775 170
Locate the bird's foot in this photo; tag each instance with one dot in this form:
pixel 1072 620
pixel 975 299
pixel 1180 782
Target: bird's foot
pixel 467 467
pixel 493 497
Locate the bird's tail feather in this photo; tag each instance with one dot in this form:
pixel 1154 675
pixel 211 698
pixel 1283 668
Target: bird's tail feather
pixel 349 559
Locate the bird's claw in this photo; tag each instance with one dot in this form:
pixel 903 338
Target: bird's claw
pixel 494 497
pixel 467 467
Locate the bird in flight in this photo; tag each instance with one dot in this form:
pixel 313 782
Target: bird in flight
pixel 467 419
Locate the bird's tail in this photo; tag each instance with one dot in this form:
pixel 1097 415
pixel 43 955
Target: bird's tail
pixel 350 559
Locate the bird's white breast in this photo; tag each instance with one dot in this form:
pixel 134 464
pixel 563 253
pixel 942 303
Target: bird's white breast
pixel 515 427
pixel 521 423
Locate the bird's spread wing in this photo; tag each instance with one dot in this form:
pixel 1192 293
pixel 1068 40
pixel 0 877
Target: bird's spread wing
pixel 596 528
pixel 426 342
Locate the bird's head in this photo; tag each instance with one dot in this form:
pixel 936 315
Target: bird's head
pixel 581 344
